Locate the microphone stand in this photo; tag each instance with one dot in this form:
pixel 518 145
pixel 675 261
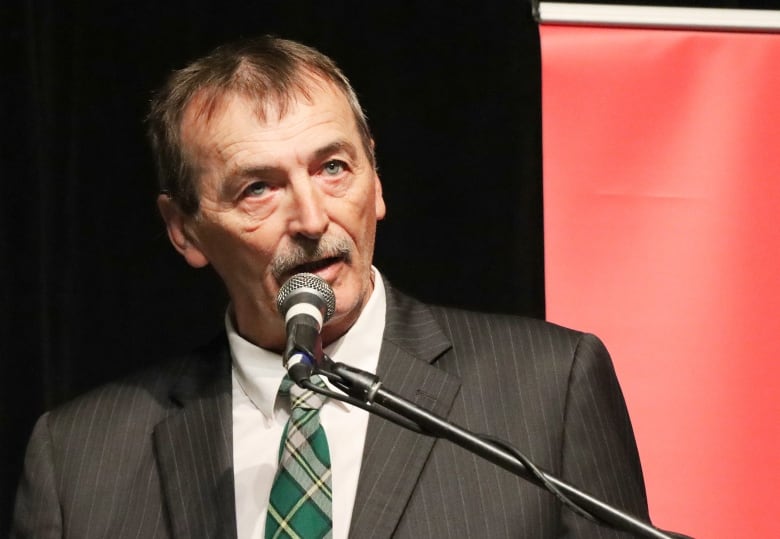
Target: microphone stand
pixel 367 389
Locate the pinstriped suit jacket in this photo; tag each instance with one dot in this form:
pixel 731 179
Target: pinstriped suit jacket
pixel 151 456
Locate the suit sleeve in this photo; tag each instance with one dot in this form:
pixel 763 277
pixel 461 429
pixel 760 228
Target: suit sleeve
pixel 37 511
pixel 599 450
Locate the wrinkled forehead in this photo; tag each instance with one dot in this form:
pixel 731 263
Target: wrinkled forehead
pixel 211 117
pixel 216 127
pixel 266 105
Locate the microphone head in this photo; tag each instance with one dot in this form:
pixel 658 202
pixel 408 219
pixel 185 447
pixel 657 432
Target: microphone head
pixel 307 288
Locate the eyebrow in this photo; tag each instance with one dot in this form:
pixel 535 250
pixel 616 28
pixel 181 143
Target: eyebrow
pixel 260 171
pixel 269 171
pixel 335 147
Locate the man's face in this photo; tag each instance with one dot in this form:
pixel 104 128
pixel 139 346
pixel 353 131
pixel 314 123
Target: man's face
pixel 279 197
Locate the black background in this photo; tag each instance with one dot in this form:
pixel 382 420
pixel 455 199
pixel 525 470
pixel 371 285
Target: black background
pixel 89 286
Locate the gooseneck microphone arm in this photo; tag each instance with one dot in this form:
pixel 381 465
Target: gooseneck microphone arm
pixel 367 389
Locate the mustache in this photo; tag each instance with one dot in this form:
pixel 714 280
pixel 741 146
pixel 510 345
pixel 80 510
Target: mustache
pixel 301 253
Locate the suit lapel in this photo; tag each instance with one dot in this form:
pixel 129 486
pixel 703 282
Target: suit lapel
pixel 393 457
pixel 194 447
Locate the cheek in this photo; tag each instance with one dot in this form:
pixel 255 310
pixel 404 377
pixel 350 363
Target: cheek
pixel 231 248
pixel 363 231
pixel 361 206
pixel 357 222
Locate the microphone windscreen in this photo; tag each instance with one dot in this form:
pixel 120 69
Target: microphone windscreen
pixel 306 287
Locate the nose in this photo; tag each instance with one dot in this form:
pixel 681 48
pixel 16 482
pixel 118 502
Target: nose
pixel 308 217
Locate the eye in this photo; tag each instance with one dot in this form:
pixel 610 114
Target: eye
pixel 334 167
pixel 256 189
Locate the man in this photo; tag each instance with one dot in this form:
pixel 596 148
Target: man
pixel 267 170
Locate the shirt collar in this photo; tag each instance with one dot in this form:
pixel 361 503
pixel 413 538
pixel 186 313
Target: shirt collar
pixel 259 372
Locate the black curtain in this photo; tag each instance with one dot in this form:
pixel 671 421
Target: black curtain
pixel 90 287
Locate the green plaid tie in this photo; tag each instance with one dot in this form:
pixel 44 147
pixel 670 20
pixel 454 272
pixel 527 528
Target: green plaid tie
pixel 300 505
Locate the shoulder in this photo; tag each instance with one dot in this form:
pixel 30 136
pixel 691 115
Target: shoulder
pixel 477 324
pixel 134 404
pixel 532 347
pixel 523 336
pixel 477 338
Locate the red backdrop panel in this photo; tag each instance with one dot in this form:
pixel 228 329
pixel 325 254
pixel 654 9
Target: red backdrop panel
pixel 662 234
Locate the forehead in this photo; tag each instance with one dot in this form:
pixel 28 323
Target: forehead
pixel 211 115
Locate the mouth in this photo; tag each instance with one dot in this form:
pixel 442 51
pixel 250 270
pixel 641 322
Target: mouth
pixel 317 265
pixel 325 259
pixel 323 267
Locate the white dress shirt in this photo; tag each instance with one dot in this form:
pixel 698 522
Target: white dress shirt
pixel 258 419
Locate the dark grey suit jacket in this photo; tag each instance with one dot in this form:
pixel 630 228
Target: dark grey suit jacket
pixel 151 456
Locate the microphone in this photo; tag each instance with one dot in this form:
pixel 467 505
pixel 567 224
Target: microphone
pixel 306 302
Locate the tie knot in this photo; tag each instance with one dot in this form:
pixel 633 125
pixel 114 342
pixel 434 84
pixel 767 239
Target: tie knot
pixel 301 398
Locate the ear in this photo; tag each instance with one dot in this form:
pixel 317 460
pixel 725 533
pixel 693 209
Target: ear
pixel 179 232
pixel 379 201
